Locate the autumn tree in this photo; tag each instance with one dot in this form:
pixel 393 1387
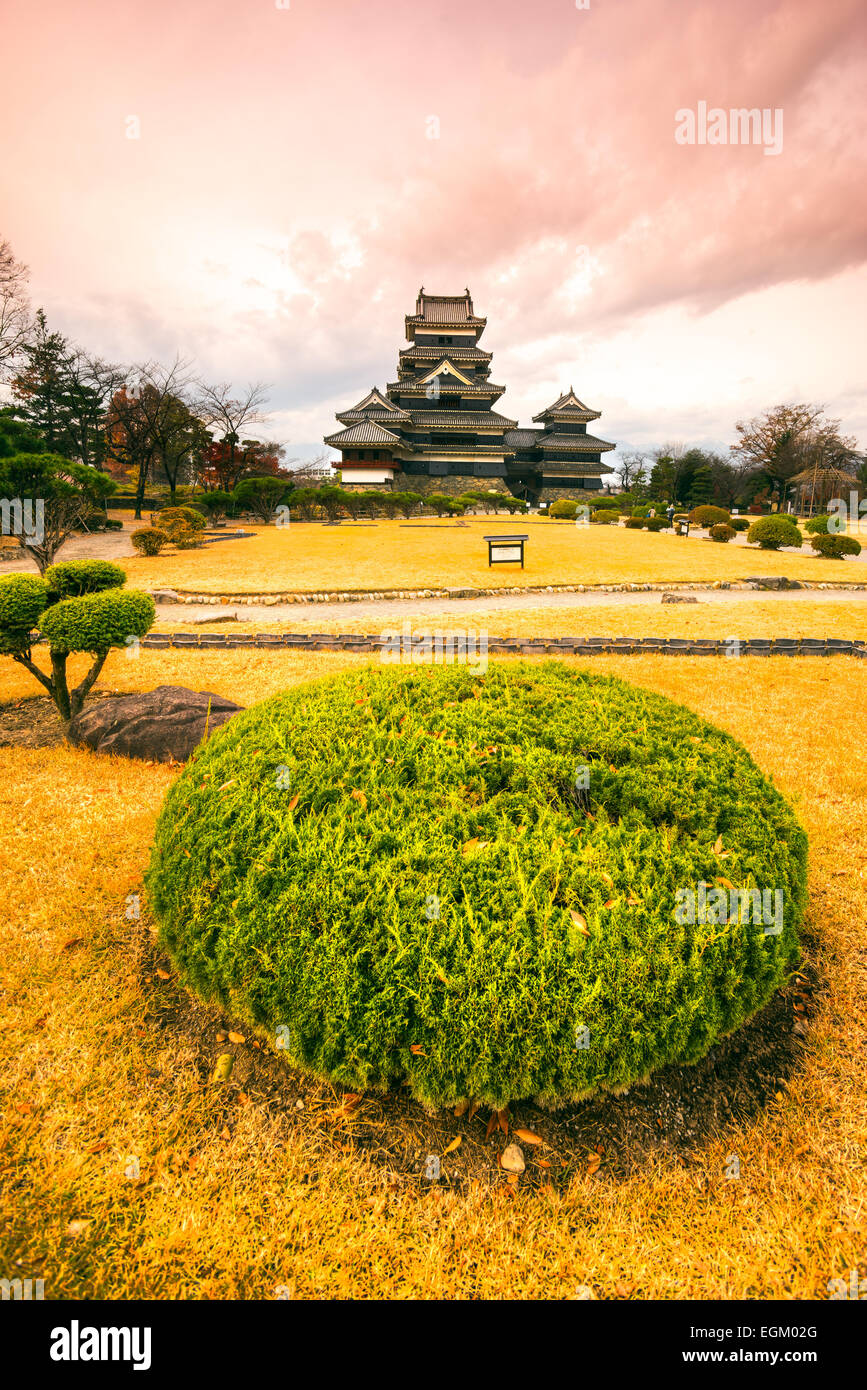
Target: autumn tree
pixel 774 444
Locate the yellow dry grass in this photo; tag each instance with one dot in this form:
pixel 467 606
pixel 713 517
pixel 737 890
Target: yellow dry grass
pixel 234 1199
pixel 745 618
pixel 308 557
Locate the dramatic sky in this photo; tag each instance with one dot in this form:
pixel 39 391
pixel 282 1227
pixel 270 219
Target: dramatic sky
pixel 300 171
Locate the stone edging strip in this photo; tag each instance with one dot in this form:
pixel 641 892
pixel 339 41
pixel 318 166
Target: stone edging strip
pixel 379 595
pixel 580 646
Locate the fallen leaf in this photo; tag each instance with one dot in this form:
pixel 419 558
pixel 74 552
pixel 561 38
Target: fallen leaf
pixel 455 1144
pixel 417 1050
pixel 623 1290
pixel 221 1036
pixel 580 922
pixel 293 803
pixel 610 903
pixel 77 1228
pixel 25 1109
pixel 72 942
pixel 527 1136
pixel 717 849
pixel 164 974
pixel 594 1164
pixel 223 1069
pixel 606 878
pixel 97 1148
pixel 474 1105
pixel 491 1125
pixel 360 797
pixel 471 845
pixel 461 1109
pixel 226 1133
pixel 541 1162
pixel 632 901
pixel 230 783
pixel 236 1037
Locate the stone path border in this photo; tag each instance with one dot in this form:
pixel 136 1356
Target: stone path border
pixel 270 599
pixel 577 646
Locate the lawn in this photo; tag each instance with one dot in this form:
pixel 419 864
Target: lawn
pixel 309 558
pixel 241 1190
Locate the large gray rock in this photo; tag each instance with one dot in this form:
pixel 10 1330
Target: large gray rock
pixel 162 725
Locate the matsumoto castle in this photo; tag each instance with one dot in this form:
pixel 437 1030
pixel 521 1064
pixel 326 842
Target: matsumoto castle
pixel 435 429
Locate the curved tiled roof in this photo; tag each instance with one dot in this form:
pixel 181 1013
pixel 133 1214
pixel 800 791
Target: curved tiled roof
pixel 582 443
pixel 522 439
pixel 462 418
pixel 367 432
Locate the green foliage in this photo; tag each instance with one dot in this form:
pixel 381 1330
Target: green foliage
pixel 149 540
pixel 605 518
pixel 772 532
pixel 740 523
pixel 835 547
pixel 23 598
pixel 722 533
pixel 171 517
pixel 817 525
pixel 643 510
pixel 262 496
pixel 657 523
pixel 564 508
pixel 216 503
pixel 635 523
pixel 708 516
pixel 98 622
pixel 391 875
pixel 76 577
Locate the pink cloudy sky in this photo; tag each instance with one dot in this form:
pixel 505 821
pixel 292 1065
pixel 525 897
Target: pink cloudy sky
pixel 284 202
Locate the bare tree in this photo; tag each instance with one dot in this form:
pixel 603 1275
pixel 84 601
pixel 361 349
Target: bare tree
pixel 14 307
pixel 632 470
pixel 227 416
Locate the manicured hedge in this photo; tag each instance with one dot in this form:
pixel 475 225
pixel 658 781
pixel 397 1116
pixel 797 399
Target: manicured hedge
pixel 708 516
pixel 75 577
pixel 657 523
pixel 395 875
pixel 740 523
pixel 722 532
pixel 635 523
pixel 606 518
pixel 97 622
pixel 772 532
pixel 835 547
pixel 23 598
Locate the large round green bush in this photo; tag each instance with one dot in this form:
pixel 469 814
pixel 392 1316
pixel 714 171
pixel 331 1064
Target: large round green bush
pixel 72 578
pixel 772 532
pixel 606 518
pixel 399 875
pixel 835 547
pixel 149 540
pixel 817 525
pixel 98 622
pixel 708 516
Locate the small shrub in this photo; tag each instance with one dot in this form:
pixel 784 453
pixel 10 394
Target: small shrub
pixel 73 578
pixel 657 523
pixel 183 516
pixel 835 547
pixel 564 509
pixel 113 524
pixel 635 523
pixel 740 523
pixel 23 599
pixel 708 516
pixel 721 532
pixel 300 903
pixel 817 525
pixel 772 532
pixel 149 541
pixel 606 518
pixel 641 511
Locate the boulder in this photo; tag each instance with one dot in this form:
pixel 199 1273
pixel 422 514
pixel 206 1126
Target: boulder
pixel 679 598
pixel 165 596
pixel 162 725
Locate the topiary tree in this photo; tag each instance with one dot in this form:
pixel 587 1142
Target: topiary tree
pixel 708 516
pixel 97 619
pixel 740 523
pixel 54 496
pixel 483 885
pixel 216 503
pixel 722 533
pixel 656 523
pixel 605 518
pixel 149 540
pixel 772 532
pixel 817 525
pixel 564 509
pixel 635 523
pixel 407 502
pixel 835 547
pixel 439 503
pixel 172 517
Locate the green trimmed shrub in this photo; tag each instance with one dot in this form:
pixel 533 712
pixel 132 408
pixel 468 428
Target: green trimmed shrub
pixel 605 518
pixel 183 516
pixel 97 622
pixel 835 547
pixel 23 599
pixel 772 532
pixel 641 511
pixel 708 516
pixel 740 523
pixel 721 532
pixel 817 525
pixel 391 875
pixel 657 523
pixel 564 508
pixel 149 540
pixel 72 578
pixel 113 524
pixel 635 523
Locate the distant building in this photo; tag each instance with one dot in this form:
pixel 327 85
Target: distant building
pixel 435 428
